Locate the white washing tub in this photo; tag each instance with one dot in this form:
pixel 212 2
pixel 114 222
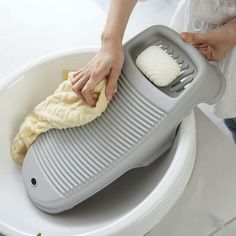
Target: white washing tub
pixel 132 205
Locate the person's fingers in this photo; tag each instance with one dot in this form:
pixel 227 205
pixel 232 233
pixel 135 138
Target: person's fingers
pixel 209 54
pixel 77 72
pixel 200 46
pixel 188 37
pixel 111 86
pixel 204 53
pixel 87 95
pixel 76 78
pixel 87 91
pixel 193 38
pixel 203 49
pixel 79 94
pixel 77 87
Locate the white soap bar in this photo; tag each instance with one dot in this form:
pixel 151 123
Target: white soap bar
pixel 158 66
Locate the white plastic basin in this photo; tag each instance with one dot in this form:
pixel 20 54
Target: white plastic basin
pixel 132 205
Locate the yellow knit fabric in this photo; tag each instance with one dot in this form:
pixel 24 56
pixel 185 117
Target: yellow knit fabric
pixel 63 109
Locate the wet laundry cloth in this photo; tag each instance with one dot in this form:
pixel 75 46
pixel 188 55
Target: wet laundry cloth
pixel 63 109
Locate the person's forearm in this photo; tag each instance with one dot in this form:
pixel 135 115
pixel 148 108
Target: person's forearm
pixel 117 19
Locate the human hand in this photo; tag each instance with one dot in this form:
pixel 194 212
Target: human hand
pixel 213 45
pixel 106 64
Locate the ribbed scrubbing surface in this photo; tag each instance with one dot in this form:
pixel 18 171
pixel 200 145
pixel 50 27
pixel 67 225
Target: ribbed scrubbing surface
pixel 71 158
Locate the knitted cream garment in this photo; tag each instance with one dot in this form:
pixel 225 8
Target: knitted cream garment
pixel 63 109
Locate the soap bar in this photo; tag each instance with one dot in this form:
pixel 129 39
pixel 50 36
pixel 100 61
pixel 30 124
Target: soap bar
pixel 158 66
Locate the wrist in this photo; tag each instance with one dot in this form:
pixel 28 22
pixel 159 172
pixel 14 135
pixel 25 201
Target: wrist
pixel 108 39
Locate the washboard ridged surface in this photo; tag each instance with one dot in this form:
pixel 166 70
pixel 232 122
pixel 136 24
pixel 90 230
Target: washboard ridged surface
pixel 73 157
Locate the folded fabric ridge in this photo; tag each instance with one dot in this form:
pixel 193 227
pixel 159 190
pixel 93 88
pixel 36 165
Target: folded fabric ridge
pixel 63 109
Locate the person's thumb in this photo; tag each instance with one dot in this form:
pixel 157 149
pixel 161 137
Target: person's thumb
pixel 193 38
pixel 112 83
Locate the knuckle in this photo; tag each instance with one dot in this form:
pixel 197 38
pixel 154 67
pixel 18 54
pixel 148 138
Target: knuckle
pixel 96 79
pixel 74 89
pixel 111 85
pixel 85 67
pixel 117 69
pixel 85 73
pixel 95 75
pixel 111 89
pixel 85 91
pixel 78 71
